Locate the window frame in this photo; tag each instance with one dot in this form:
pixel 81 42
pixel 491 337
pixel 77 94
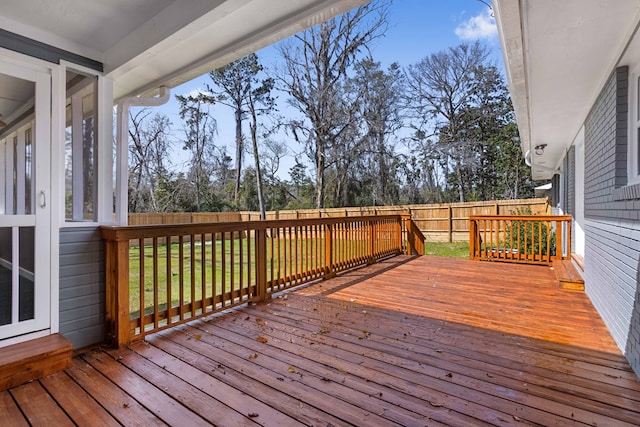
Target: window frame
pixel 633 145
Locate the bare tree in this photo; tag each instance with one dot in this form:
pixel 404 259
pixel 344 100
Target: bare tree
pixel 381 93
pixel 259 102
pixel 441 90
pixel 316 64
pixel 148 160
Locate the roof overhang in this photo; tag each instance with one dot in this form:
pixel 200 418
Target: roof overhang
pixel 143 44
pixel 558 55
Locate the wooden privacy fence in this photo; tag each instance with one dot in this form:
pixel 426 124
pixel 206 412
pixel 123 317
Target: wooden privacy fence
pixel 532 239
pixel 446 222
pixel 163 275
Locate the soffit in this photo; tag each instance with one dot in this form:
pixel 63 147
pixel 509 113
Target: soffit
pixel 558 55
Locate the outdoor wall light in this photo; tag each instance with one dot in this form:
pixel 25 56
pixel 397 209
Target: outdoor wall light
pixel 539 149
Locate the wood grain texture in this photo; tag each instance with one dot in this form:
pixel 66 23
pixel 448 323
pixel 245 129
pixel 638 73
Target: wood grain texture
pixel 31 360
pixel 409 341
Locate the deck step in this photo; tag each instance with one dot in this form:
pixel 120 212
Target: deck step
pixel 34 359
pixel 567 275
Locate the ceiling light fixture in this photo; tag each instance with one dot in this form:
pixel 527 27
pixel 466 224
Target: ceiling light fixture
pixel 539 149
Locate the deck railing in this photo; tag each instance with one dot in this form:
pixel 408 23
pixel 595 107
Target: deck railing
pixel 531 239
pixel 161 276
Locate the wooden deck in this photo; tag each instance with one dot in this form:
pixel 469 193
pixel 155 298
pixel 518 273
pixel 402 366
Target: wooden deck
pixel 409 341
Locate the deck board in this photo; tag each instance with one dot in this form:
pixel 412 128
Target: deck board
pixel 408 341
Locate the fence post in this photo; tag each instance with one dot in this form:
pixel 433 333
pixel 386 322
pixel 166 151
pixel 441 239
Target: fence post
pixel 450 212
pixel 261 264
pixel 117 292
pixel 328 252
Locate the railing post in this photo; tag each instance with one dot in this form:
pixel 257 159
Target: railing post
pixel 117 292
pixel 261 264
pixel 569 238
pixel 473 226
pixel 411 237
pixel 328 252
pixel 400 227
pixel 372 246
pixel 559 239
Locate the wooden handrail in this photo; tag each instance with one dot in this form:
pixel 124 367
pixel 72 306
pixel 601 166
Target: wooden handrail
pixel 162 275
pixel 531 239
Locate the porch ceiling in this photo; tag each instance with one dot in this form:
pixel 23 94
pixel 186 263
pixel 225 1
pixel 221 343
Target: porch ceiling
pixel 558 55
pixel 147 43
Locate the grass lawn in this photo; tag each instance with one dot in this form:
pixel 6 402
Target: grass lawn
pixel 451 250
pixel 203 272
pixel 210 269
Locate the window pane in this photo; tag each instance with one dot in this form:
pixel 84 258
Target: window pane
pixel 68 182
pixel 28 172
pixel 80 148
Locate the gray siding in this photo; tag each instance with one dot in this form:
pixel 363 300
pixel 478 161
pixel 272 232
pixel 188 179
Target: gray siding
pixel 612 219
pixel 82 286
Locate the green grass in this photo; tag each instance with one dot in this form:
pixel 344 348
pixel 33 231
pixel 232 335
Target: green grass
pixel 219 279
pixel 236 273
pixel 450 250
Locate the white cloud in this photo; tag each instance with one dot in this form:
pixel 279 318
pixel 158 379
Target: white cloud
pixel 195 92
pixel 482 26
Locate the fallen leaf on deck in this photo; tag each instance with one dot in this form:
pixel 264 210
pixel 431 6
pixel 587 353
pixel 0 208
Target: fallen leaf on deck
pixel 253 415
pixel 292 369
pixel 198 337
pixel 125 405
pixel 259 320
pixel 449 375
pixel 253 356
pixel 262 339
pixel 435 404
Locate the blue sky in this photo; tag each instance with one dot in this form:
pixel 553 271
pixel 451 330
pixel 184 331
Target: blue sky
pixel 417 28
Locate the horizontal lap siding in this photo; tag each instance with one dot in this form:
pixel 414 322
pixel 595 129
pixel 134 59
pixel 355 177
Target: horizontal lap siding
pixel 612 224
pixel 82 286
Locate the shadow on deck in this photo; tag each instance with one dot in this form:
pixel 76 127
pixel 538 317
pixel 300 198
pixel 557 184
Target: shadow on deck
pixel 408 341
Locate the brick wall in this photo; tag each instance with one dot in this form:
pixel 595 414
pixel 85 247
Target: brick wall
pixel 612 218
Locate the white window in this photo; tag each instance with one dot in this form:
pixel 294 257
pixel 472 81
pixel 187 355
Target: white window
pixel 633 155
pixel 16 169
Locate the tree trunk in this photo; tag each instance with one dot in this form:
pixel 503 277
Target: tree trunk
pixel 256 157
pixel 320 165
pixel 239 144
